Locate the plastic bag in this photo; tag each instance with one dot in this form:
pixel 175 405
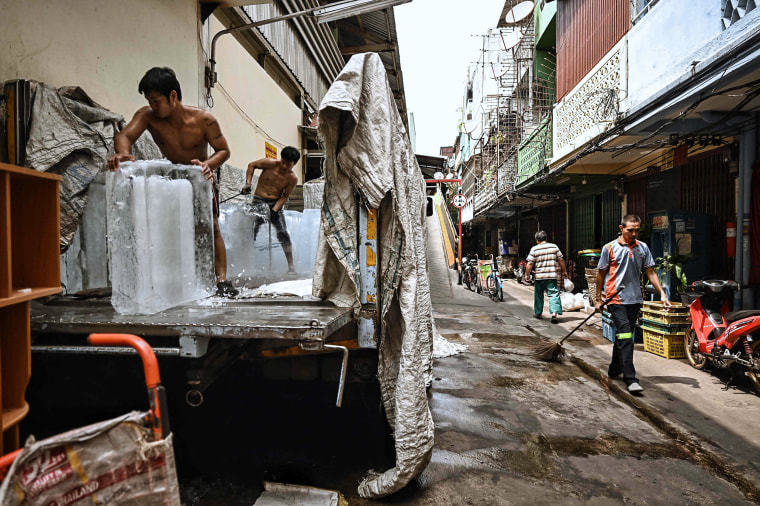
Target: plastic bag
pixel 569 302
pixel 569 285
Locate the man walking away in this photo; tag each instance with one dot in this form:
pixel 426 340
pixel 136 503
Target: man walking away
pixel 544 257
pixel 620 265
pixel 276 182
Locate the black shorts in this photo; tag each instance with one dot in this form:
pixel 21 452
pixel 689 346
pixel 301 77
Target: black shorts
pixel 277 218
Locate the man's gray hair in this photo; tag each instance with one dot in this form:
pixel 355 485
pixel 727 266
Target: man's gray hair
pixel 540 235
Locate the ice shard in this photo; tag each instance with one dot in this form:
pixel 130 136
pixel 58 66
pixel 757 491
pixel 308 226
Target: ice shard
pixel 160 236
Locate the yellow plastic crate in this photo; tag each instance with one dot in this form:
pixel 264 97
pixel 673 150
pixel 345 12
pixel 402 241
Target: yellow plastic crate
pixel 664 345
pixel 656 305
pixel 666 317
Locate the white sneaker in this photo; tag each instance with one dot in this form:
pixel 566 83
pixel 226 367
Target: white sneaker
pixel 635 388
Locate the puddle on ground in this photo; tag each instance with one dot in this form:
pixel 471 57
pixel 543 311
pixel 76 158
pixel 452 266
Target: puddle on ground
pixel 538 458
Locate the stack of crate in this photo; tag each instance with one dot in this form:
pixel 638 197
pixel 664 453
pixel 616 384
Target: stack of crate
pixel 665 331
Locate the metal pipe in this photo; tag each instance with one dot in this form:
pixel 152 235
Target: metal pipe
pixel 749 143
pixel 211 76
pixel 343 368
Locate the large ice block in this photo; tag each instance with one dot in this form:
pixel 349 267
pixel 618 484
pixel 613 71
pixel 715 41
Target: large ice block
pixel 160 236
pixel 84 265
pixel 263 259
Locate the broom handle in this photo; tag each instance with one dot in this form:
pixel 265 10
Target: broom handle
pixel 592 314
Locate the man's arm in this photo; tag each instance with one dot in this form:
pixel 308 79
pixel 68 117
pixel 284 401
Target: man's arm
pixel 261 163
pixel 528 268
pixel 126 138
pixel 600 274
pixel 655 280
pixel 562 265
pixel 216 140
pixel 285 194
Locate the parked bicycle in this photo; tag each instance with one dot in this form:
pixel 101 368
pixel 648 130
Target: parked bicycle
pixel 470 276
pixel 493 281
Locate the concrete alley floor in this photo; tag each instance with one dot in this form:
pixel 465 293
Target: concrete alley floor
pixel 514 430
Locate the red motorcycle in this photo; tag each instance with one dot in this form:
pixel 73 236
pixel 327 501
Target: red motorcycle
pixel 720 336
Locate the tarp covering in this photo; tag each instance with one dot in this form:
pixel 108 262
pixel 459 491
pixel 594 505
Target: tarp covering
pixel 367 152
pixel 72 136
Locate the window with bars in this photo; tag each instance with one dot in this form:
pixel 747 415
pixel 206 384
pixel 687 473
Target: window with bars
pixel 639 8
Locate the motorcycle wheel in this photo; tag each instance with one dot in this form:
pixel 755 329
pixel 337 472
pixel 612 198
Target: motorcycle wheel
pixel 520 275
pixel 753 374
pixel 478 286
pixel 467 281
pixel 501 294
pixel 696 359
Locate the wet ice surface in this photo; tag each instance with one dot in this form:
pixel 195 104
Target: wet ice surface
pixel 262 260
pixel 300 288
pixel 160 236
pixel 84 265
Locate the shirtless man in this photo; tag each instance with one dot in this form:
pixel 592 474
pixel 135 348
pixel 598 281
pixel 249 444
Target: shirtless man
pixel 183 133
pixel 276 182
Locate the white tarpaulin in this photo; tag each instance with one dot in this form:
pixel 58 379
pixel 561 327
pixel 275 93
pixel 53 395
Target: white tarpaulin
pixel 367 152
pixel 72 136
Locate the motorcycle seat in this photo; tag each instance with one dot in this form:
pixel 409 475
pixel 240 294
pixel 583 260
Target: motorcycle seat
pixel 738 315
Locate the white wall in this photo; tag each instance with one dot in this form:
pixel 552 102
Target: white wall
pixel 103 47
pixel 106 47
pixel 250 107
pixel 660 46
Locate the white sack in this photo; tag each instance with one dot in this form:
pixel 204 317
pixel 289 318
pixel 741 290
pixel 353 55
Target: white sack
pixel 367 151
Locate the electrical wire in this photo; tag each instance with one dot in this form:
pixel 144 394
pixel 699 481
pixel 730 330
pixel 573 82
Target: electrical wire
pixel 245 116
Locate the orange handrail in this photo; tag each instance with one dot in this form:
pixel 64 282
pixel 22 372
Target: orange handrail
pixel 150 363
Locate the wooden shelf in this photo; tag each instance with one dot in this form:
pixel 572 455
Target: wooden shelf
pixel 24 295
pixel 12 417
pixel 29 269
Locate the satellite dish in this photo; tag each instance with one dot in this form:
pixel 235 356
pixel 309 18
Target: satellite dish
pixel 511 39
pixel 476 132
pixel 519 12
pixel 499 65
pixel 470 126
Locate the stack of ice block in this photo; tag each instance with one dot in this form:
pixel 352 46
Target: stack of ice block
pixel 160 236
pixel 85 263
pixel 313 192
pixel 263 259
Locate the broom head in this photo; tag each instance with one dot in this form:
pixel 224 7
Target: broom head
pixel 549 352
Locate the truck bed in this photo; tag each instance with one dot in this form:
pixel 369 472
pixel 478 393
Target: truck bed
pixel 290 321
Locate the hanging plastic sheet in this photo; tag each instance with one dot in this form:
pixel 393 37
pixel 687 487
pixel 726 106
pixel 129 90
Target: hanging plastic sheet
pixel 367 152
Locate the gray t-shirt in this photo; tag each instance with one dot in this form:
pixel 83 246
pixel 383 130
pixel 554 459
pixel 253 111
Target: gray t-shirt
pixel 624 263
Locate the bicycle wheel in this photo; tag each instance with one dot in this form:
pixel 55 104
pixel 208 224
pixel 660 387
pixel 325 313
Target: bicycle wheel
pixel 491 285
pixel 469 281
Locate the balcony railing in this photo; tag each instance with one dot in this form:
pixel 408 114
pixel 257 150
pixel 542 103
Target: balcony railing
pixel 533 152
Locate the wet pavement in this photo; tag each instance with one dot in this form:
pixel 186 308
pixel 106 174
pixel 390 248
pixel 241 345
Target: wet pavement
pixel 509 429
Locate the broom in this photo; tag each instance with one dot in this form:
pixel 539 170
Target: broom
pixel 554 352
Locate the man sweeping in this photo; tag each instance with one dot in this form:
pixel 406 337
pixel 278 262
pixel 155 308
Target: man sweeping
pixel 620 266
